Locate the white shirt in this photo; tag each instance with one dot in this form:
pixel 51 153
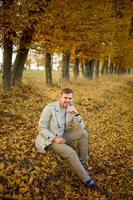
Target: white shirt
pixel 62 121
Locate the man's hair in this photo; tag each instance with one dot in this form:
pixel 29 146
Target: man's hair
pixel 66 91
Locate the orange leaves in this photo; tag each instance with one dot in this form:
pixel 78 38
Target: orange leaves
pixel 23 189
pixel 105 106
pixel 1 166
pixel 1 188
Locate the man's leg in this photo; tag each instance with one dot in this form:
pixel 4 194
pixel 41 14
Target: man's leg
pixel 82 137
pixel 69 153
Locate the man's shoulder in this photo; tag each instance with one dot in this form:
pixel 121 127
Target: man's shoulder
pixel 53 104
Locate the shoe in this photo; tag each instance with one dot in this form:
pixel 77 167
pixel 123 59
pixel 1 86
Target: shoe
pixel 91 184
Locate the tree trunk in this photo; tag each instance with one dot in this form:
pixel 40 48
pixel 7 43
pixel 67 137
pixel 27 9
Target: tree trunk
pixel 106 67
pixel 82 68
pixel 48 70
pixel 18 66
pixel 129 71
pixel 7 46
pixel 21 57
pixel 7 61
pixel 97 70
pixel 111 68
pixel 122 70
pixel 91 69
pixel 76 68
pixel 76 64
pixel 104 70
pixel 115 68
pixel 86 68
pixel 65 76
pixel 119 70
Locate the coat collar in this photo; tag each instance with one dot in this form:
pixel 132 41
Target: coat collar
pixel 69 116
pixel 57 106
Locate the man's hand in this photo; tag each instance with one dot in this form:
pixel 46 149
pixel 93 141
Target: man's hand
pixel 72 109
pixel 59 140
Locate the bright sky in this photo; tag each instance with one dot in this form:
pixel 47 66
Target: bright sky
pixel 56 59
pixel 1 56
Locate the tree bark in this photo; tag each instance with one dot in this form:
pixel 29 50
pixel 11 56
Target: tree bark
pixel 21 57
pixel 82 68
pixel 91 69
pixel 65 76
pixel 76 68
pixel 115 68
pixel 76 64
pixel 7 46
pixel 129 71
pixel 111 68
pixel 119 69
pixel 7 61
pixel 104 70
pixel 48 70
pixel 86 68
pixel 97 69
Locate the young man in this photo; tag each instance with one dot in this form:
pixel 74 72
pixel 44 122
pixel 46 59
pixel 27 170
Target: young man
pixel 56 131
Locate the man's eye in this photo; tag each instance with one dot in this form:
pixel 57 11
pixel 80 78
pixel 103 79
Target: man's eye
pixel 67 98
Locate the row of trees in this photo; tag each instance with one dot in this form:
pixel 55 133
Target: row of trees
pixel 84 31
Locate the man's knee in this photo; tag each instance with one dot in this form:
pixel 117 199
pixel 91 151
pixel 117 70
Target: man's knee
pixel 70 153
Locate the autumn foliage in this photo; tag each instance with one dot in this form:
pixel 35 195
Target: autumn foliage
pixel 98 30
pixel 106 106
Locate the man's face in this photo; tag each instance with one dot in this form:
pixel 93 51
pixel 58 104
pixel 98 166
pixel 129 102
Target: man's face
pixel 66 100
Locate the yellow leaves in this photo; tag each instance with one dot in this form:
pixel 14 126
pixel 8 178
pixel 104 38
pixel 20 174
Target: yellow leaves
pixel 1 188
pixel 10 167
pixel 103 198
pixel 67 187
pixel 23 189
pixel 34 153
pixel 37 168
pixel 18 180
pixel 9 196
pixel 36 190
pixel 31 180
pixel 106 107
pixel 1 165
pixel 113 172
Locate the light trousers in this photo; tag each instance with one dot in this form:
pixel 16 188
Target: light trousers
pixel 67 152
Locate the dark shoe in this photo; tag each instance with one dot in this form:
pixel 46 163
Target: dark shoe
pixel 91 184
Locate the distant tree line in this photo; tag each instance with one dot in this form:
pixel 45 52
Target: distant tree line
pixel 95 35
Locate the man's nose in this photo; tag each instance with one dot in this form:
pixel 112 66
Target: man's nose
pixel 68 100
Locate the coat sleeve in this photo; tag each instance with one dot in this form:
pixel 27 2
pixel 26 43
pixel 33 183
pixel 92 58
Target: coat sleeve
pixel 44 124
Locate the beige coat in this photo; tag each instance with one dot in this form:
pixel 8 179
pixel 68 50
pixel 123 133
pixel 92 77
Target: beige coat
pixel 49 124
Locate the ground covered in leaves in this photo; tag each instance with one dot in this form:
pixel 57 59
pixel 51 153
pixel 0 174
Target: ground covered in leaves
pixel 107 108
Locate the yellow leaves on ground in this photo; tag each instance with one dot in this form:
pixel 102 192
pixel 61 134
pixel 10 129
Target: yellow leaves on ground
pixel 31 180
pixel 1 188
pixel 23 189
pixel 1 166
pixel 106 106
